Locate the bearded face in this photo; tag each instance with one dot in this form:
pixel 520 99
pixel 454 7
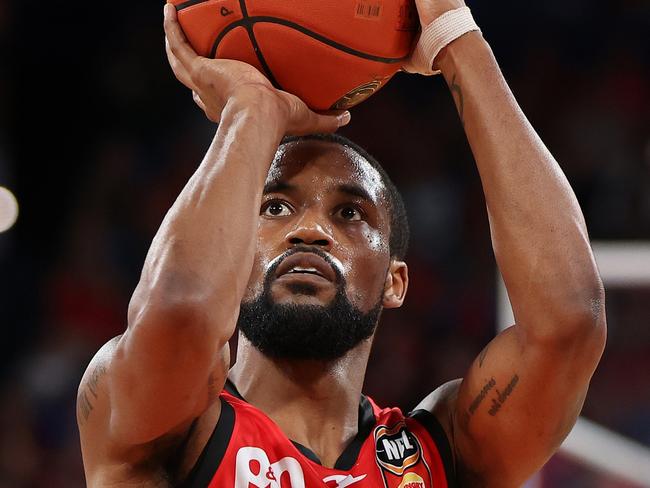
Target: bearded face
pixel 323 271
pixel 305 331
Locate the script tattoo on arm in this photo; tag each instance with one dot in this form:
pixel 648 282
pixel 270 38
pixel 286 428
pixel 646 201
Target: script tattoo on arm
pixel 457 92
pixel 481 357
pixel 481 396
pixel 476 402
pixel 89 393
pixel 496 402
pixel 502 396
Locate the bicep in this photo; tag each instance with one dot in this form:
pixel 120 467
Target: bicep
pixel 518 402
pixel 146 384
pixel 161 379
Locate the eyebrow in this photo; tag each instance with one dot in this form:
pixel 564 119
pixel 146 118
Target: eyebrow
pixel 355 191
pixel 277 186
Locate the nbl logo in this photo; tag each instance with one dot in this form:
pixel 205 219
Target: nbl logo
pixel 397 449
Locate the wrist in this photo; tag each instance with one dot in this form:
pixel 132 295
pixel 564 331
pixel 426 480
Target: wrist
pixel 429 13
pixel 435 36
pixel 258 104
pixel 460 51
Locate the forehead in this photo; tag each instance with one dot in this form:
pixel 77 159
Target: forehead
pixel 322 161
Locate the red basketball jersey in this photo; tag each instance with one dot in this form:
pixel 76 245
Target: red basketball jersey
pixel 248 450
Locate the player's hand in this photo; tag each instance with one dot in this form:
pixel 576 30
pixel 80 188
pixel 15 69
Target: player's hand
pixel 430 10
pixel 215 81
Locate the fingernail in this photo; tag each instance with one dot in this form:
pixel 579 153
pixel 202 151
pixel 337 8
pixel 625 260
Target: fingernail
pixel 344 118
pixel 166 9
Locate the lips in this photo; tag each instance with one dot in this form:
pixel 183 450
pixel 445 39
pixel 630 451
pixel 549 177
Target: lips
pixel 304 263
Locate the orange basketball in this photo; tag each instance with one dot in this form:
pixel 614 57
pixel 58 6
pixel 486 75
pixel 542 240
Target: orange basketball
pixel 333 54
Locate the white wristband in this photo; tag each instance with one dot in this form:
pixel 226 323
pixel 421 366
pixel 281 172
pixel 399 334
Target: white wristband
pixel 435 36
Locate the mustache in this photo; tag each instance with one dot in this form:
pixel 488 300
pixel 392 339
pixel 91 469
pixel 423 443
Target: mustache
pixel 270 272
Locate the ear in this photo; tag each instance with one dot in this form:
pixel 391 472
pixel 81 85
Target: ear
pixel 397 282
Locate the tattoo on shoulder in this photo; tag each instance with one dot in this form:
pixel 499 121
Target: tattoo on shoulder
pixel 481 357
pixel 89 393
pixel 457 91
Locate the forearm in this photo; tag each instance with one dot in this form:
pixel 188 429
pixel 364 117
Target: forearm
pixel 538 230
pixel 185 306
pixel 202 254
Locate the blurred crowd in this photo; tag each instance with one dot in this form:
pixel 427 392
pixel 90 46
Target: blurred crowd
pixel 97 139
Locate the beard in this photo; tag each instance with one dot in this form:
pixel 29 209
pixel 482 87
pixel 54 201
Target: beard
pixel 316 332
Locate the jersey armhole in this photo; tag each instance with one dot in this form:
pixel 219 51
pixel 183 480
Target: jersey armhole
pixel 214 451
pixel 439 436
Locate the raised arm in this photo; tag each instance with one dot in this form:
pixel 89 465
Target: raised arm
pixel 173 358
pixel 523 393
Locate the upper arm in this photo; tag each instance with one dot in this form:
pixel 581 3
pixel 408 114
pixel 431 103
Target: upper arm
pixel 148 383
pixel 518 401
pixel 110 456
pixel 93 410
pixel 165 371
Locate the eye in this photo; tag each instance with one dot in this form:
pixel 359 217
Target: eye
pixel 350 213
pixel 275 208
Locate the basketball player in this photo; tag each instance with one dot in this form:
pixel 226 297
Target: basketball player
pixel 302 245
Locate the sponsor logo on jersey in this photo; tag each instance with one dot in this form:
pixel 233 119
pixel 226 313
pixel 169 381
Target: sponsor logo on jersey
pixel 412 480
pixel 342 480
pixel 397 449
pixel 253 467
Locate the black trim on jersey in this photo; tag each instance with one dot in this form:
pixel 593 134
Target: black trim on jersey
pixel 367 422
pixel 349 456
pixel 214 451
pixel 232 389
pixel 437 433
pixel 308 453
pixel 174 465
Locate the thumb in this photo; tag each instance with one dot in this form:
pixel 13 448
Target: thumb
pixel 302 120
pixel 310 122
pixel 320 123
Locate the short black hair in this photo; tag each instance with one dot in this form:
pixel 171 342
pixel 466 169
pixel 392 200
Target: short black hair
pixel 399 226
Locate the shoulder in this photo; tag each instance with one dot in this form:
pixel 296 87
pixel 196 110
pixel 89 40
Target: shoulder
pixel 441 402
pixel 109 460
pixel 91 394
pixel 440 396
pixel 436 412
pixel 93 411
pixel 421 440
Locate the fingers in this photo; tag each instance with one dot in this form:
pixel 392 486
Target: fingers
pixel 302 120
pixel 182 74
pixel 212 81
pixel 176 40
pixel 198 101
pixel 314 123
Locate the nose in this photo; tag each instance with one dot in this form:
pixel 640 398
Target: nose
pixel 309 231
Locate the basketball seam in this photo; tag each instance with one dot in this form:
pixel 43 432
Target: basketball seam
pixel 258 52
pixel 189 3
pixel 248 23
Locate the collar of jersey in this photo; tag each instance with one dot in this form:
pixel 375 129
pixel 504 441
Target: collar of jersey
pixel 349 456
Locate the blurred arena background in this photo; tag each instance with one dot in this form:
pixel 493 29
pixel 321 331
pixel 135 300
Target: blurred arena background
pixel 97 138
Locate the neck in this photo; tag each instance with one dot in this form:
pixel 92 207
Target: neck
pixel 315 403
